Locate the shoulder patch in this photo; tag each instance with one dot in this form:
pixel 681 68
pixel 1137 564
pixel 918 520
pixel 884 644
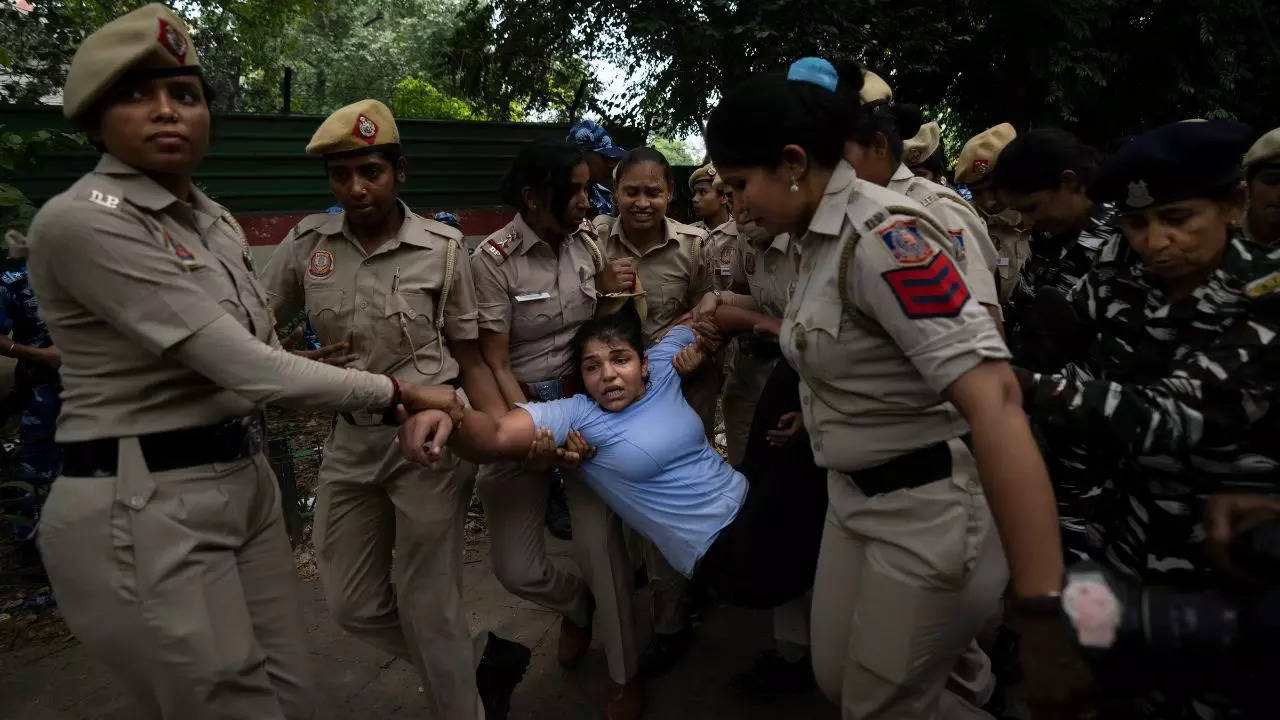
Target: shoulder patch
pixel 500 247
pixel 903 239
pixel 933 290
pixel 1263 286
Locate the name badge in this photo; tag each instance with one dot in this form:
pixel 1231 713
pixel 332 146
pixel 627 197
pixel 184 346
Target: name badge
pixel 725 270
pixel 530 297
pixel 1003 262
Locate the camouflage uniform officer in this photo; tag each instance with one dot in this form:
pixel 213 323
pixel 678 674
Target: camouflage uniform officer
pixel 1262 173
pixel 163 537
pixel 602 156
pixel 1176 395
pixel 394 290
pixel 35 396
pixel 974 169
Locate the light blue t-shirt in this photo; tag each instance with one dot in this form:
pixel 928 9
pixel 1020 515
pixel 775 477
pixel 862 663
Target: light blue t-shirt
pixel 653 464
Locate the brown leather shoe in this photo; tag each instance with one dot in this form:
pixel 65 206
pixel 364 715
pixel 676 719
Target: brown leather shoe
pixel 627 702
pixel 575 641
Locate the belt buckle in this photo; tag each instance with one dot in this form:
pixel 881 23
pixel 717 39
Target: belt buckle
pixel 546 390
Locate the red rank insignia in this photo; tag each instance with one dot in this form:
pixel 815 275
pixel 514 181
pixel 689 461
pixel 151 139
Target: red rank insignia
pixel 933 290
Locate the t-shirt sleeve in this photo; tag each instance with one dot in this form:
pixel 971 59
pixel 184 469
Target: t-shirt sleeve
pixel 920 298
pixel 661 354
pixel 561 416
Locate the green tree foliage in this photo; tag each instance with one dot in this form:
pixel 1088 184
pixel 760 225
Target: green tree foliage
pixel 675 151
pixel 415 97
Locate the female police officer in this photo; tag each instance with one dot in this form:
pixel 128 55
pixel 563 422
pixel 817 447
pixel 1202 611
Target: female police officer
pixel 910 565
pixel 163 535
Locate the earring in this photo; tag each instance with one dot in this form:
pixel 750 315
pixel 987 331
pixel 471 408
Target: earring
pixel 794 186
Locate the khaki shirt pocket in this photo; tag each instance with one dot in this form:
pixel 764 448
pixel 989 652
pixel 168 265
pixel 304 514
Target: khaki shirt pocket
pixel 418 312
pixel 326 311
pixel 215 281
pixel 667 303
pixel 534 319
pixel 581 305
pixel 817 328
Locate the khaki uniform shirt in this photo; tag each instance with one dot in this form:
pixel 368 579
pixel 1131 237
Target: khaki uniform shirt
pixel 769 270
pixel 1013 247
pixel 723 254
pixel 968 230
pixel 385 303
pixel 672 273
pixel 928 331
pixel 535 294
pixel 124 271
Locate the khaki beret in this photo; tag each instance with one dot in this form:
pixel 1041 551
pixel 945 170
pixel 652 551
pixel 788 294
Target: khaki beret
pixel 151 38
pixel 706 173
pixel 978 158
pixel 719 185
pixel 1266 151
pixel 874 88
pixel 922 146
pixel 359 126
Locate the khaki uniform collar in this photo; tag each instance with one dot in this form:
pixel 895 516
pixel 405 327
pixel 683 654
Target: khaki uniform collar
pixel 670 229
pixel 829 217
pixel 724 228
pixel 781 243
pixel 526 236
pixel 902 173
pixel 412 230
pixel 150 195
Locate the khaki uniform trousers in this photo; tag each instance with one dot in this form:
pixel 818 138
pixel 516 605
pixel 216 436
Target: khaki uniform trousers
pixel 515 501
pixel 905 581
pixel 747 377
pixel 371 502
pixel 183 583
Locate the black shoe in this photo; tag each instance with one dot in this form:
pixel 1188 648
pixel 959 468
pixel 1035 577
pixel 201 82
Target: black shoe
pixel 557 519
pixel 501 668
pixel 772 676
pixel 665 652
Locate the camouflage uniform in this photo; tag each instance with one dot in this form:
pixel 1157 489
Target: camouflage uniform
pixel 1059 263
pixel 36 395
pixel 1174 397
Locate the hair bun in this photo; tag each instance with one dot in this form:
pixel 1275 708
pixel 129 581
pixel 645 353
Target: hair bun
pixel 907 119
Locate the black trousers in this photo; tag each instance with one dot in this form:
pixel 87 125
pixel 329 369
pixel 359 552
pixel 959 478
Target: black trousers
pixel 769 553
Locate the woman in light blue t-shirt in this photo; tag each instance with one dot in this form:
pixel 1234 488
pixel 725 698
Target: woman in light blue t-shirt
pixel 652 462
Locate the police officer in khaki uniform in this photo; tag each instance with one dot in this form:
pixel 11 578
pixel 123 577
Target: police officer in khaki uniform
pixel 1262 173
pixel 391 292
pixel 672 267
pixel 923 153
pixel 710 204
pixel 723 251
pixel 535 284
pixel 910 565
pixel 163 536
pixel 974 168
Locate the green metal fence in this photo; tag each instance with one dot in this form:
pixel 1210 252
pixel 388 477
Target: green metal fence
pixel 257 163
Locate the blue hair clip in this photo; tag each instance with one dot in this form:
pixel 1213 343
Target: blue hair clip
pixel 816 71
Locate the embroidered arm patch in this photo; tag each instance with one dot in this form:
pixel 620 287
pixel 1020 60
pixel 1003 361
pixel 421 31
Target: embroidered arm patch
pixel 929 291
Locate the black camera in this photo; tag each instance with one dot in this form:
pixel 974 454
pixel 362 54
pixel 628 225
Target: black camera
pixel 1116 619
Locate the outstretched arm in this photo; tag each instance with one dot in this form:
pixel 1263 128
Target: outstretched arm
pixel 480 437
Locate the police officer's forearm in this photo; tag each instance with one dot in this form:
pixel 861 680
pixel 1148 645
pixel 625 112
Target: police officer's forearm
pixel 1013 476
pixel 736 320
pixel 18 351
pixel 738 300
pixel 477 378
pixel 495 349
pixel 227 354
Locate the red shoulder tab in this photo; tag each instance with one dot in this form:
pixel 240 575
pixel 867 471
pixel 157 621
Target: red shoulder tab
pixel 933 290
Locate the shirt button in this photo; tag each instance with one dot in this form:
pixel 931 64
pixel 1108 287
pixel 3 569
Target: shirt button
pixel 364 304
pixel 804 400
pixel 136 502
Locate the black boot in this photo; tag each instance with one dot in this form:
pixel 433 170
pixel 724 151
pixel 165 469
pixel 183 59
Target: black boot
pixel 501 668
pixel 773 675
pixel 665 652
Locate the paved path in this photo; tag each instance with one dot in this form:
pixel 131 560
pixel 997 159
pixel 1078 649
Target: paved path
pixel 360 683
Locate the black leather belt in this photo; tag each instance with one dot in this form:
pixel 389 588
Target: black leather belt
pixel 224 442
pixel 912 470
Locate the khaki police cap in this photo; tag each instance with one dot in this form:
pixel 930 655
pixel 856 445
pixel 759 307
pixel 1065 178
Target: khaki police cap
pixel 922 146
pixel 1266 151
pixel 706 173
pixel 359 126
pixel 874 88
pixel 150 38
pixel 978 158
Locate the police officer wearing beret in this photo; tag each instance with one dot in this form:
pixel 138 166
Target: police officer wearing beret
pixel 975 169
pixel 602 156
pixel 1174 396
pixel 1262 173
pixel 163 536
pixel 710 204
pixel 390 291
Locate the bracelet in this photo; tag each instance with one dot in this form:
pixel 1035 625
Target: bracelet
pixel 395 391
pixel 12 344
